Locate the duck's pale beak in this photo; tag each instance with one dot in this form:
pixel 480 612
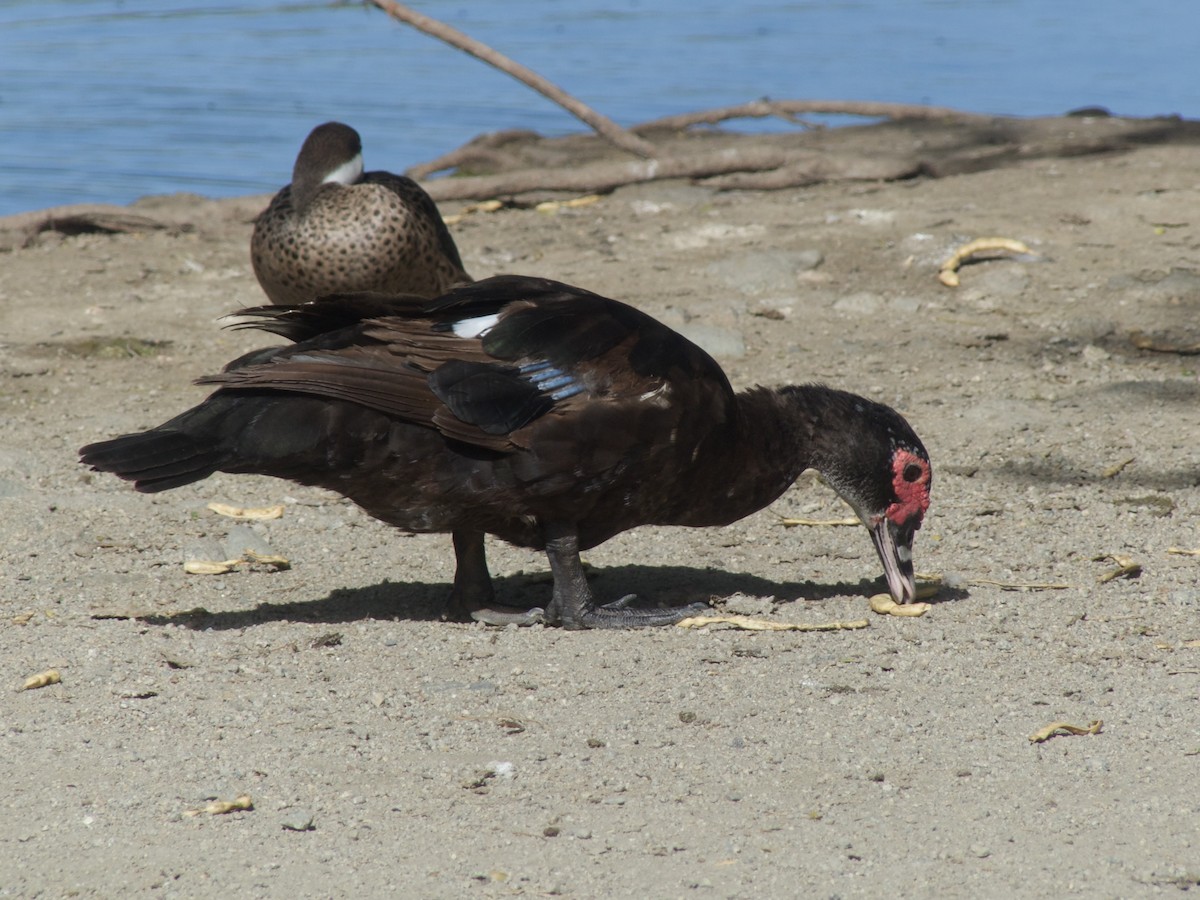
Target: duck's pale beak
pixel 894 544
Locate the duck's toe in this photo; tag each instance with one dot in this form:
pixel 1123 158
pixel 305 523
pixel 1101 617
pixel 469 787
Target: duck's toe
pixel 618 614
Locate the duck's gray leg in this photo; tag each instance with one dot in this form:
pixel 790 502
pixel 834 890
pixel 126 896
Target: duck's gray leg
pixel 574 606
pixel 472 596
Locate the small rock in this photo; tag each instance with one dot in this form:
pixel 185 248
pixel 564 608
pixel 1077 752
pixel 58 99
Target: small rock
pixel 863 303
pixel 649 207
pixel 203 550
pixel 774 313
pixel 1000 278
pixel 242 538
pixel 873 216
pixel 904 304
pixel 505 770
pixel 766 272
pixel 806 260
pixel 298 820
pixel 712 232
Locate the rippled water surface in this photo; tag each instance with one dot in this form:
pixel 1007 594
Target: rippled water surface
pixel 102 100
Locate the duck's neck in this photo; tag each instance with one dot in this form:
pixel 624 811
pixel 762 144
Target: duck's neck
pixel 307 179
pixel 768 444
pixel 304 188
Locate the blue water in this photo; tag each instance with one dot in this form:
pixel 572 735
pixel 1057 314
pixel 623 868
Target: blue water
pixel 105 101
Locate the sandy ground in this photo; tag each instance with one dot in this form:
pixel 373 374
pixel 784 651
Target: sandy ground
pixel 388 753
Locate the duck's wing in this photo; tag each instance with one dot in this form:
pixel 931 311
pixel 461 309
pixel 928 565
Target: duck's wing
pixel 326 315
pixel 414 196
pixel 484 362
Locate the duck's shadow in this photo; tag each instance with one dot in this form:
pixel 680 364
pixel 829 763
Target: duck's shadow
pixel 418 601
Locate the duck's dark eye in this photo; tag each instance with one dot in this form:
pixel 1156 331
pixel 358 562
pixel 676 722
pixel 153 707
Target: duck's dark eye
pixel 912 472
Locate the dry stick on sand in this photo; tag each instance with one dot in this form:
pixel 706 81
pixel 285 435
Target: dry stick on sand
pixel 455 38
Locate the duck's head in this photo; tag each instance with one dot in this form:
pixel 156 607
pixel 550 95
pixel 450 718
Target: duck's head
pixel 875 461
pixel 894 524
pixel 331 154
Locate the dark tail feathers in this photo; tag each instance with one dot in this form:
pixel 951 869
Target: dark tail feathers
pixel 155 460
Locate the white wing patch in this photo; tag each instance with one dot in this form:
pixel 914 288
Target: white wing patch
pixel 476 327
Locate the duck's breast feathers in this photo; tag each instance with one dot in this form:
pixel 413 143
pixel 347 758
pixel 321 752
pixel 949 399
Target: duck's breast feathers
pixel 484 361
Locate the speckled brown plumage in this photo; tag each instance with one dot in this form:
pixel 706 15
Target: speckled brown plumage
pixel 335 230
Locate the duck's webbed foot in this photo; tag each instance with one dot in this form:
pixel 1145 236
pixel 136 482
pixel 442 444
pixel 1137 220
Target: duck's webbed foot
pixel 619 615
pixel 574 606
pixel 472 597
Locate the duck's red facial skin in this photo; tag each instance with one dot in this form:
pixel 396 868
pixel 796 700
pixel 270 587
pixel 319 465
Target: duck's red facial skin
pixel 911 478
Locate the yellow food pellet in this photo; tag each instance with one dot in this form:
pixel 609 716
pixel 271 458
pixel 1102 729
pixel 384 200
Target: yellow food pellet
pixel 41 680
pixel 886 606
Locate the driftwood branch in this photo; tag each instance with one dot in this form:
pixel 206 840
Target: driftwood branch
pixel 803 166
pixel 20 229
pixel 484 151
pixel 455 38
pixel 967 143
pixel 80 218
pixel 820 169
pixel 788 109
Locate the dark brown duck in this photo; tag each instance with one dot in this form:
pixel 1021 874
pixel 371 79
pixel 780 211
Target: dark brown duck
pixel 336 229
pixel 537 412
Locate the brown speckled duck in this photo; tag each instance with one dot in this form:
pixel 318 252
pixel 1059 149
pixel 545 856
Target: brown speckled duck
pixel 541 413
pixel 337 229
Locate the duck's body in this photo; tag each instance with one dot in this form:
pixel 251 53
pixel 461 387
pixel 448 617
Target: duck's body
pixel 336 229
pixel 542 414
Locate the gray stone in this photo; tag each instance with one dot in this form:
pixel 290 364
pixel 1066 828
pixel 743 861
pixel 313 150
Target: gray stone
pixel 297 820
pixel 204 550
pixel 997 279
pixel 242 538
pixel 764 272
pixel 863 303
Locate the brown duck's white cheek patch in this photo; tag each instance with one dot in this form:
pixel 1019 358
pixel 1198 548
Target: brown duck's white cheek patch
pixel 347 173
pixel 912 493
